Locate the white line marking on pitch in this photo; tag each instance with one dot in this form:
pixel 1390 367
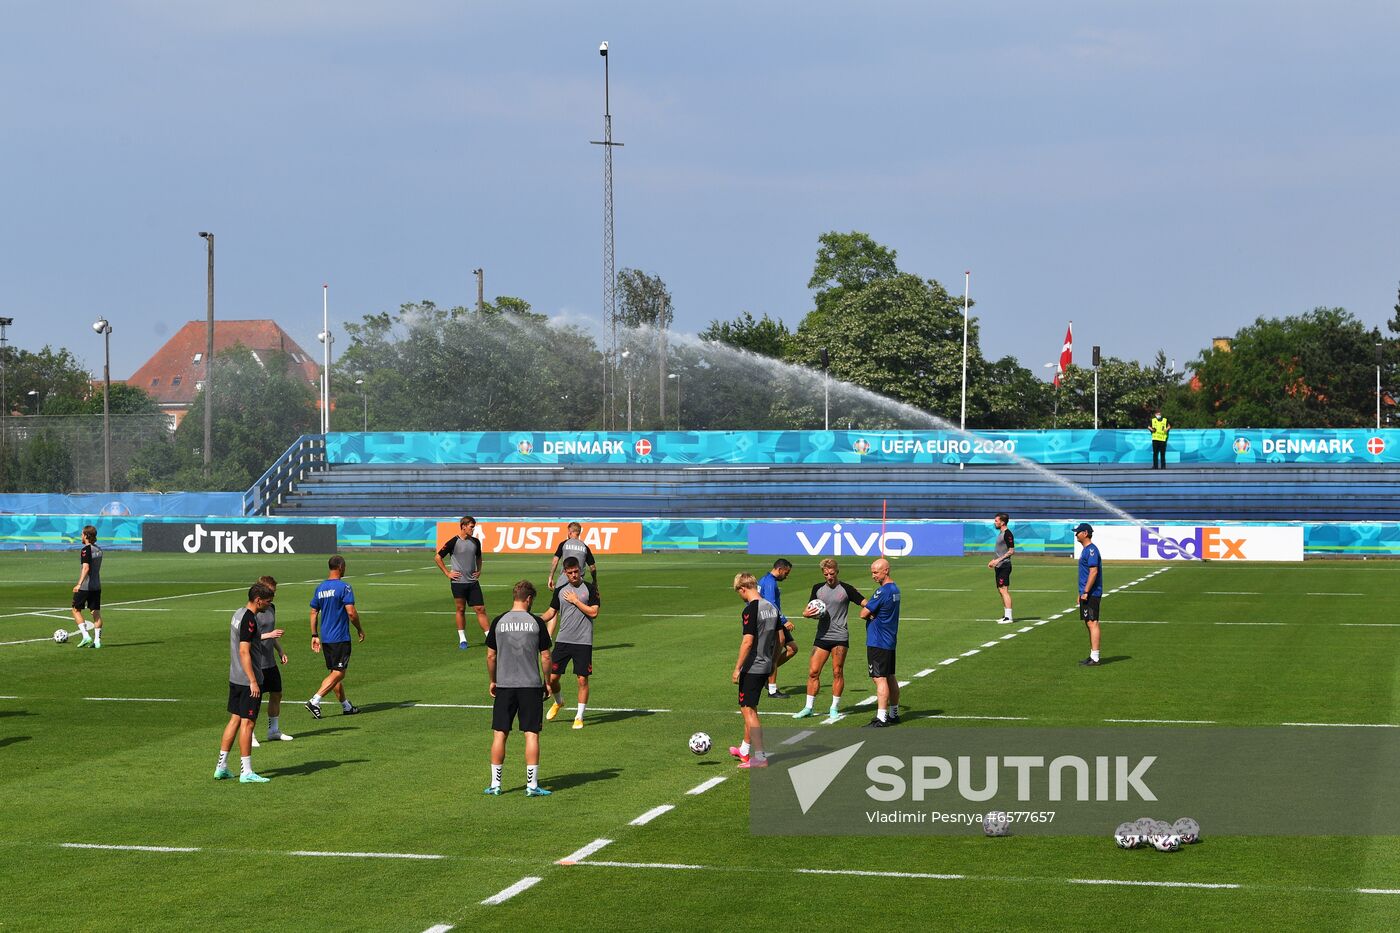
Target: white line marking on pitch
pixel 1005 718
pixel 1367 624
pixel 93 845
pixel 948 661
pixel 652 814
pixel 1188 722
pixel 1232 593
pixel 990 644
pixel 25 641
pixel 925 672
pixel 1346 725
pixel 876 874
pixel 701 788
pixel 579 855
pixel 440 928
pixel 131 699
pixel 793 740
pixel 1009 635
pixel 1023 631
pixel 670 615
pixel 1251 623
pixel 867 701
pixel 415 856
pixel 661 587
pixel 523 884
pixel 1151 884
pixel 639 865
pixel 970 652
pixel 1378 890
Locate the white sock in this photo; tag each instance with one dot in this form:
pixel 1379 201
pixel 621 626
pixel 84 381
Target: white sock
pixel 345 704
pixel 772 690
pixel 743 748
pixel 496 775
pixel 223 760
pixel 462 636
pixel 1007 613
pixel 810 700
pixel 1094 654
pixel 532 776
pixel 581 708
pixel 835 702
pixel 880 714
pixel 272 725
pixel 247 764
pixel 315 699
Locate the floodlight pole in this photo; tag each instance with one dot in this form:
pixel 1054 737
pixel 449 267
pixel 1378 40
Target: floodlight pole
pixel 1379 349
pixel 209 362
pixel 967 288
pixel 826 390
pixel 104 328
pixel 4 353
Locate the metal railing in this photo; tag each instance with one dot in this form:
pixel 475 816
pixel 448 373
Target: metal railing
pixel 306 455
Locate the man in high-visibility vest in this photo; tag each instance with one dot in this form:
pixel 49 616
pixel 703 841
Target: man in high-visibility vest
pixel 1160 429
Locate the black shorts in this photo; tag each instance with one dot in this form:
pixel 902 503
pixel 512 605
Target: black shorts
pixel 272 679
pixel 827 645
pixel 1003 575
pixel 1089 608
pixel 524 703
pixel 788 635
pixel 751 688
pixel 582 656
pixel 87 599
pixel 880 661
pixel 242 703
pixel 337 655
pixel 469 591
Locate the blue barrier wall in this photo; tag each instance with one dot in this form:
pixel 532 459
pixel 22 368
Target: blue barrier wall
pixel 1312 446
pixel 57 532
pixel 187 504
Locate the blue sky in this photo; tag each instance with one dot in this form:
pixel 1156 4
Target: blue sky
pixel 1160 173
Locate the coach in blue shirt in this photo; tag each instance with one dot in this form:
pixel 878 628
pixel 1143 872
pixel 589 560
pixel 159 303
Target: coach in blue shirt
pixel 1090 588
pixel 881 615
pixel 787 645
pixel 332 613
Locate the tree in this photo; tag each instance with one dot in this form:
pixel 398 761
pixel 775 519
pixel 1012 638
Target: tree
pixel 1310 370
pixel 1129 393
pixel 45 465
pixel 643 300
pixel 123 399
pixel 847 263
pixel 766 336
pixel 60 382
pixel 262 408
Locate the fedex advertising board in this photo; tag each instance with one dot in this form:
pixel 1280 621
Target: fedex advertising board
pixel 1199 542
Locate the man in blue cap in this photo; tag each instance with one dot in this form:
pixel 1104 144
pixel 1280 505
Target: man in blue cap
pixel 1090 588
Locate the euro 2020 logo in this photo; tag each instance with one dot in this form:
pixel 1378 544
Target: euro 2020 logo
pixel 1241 445
pixel 524 448
pixel 862 446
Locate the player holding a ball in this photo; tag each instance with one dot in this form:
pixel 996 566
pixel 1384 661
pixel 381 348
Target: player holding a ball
pixel 829 604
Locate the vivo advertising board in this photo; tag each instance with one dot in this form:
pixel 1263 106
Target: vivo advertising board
pixel 1199 542
pixel 856 539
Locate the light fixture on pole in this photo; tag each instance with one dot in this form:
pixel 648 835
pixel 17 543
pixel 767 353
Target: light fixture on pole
pixel 1096 387
pixel 326 338
pixel 103 327
pixel 209 361
pixel 33 400
pixel 1055 418
pixel 677 377
pixel 364 398
pixel 967 289
pixel 826 390
pixel 628 373
pixel 4 354
pixel 480 289
pixel 609 250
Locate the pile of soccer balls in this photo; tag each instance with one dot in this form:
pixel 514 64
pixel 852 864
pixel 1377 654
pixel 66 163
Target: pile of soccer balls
pixel 1159 834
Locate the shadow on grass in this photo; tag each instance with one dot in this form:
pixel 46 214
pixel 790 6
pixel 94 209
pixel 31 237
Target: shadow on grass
pixel 580 778
pixel 381 707
pixel 129 644
pixel 625 644
pixel 329 730
pixel 311 767
pixel 1115 659
pixel 14 740
pixel 14 712
pixel 615 715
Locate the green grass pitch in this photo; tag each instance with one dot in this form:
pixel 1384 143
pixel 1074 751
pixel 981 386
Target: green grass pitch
pixel 405 778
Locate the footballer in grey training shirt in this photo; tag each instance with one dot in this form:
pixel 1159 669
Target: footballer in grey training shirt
pixel 833 638
pixel 575 607
pixel 517 644
pixel 573 546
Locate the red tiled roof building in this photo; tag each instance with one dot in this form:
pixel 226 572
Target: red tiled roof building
pixel 175 373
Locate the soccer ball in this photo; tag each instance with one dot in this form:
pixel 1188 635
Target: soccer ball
pixel 1166 842
pixel 1162 828
pixel 60 636
pixel 1188 829
pixel 817 608
pixel 1145 826
pixel 1127 836
pixel 996 823
pixel 699 743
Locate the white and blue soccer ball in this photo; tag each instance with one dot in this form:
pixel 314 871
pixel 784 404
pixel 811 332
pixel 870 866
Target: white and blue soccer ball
pixel 700 743
pixel 816 607
pixel 1188 829
pixel 1127 836
pixel 1165 842
pixel 996 823
pixel 60 636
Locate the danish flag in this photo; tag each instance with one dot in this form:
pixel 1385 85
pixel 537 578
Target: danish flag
pixel 1066 354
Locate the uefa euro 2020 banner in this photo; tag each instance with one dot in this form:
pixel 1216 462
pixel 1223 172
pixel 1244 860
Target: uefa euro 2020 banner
pixel 1199 542
pixel 881 448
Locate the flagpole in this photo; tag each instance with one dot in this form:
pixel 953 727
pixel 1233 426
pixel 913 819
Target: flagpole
pixel 967 287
